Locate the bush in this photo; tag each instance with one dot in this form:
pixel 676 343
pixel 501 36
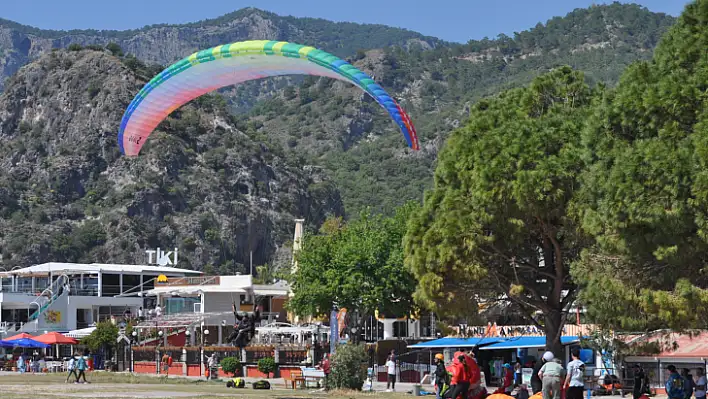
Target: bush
pixel 267 366
pixel 75 47
pixel 230 365
pixel 348 368
pixel 115 49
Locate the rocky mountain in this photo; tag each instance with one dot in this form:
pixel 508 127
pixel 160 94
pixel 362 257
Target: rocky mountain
pixel 164 44
pixel 218 185
pixel 204 185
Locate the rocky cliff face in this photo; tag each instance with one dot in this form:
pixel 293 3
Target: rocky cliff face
pixel 164 44
pixel 201 183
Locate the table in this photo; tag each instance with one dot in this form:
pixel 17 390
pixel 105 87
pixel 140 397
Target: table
pixel 312 374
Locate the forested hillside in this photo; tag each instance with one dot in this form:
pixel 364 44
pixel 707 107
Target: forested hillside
pixel 335 126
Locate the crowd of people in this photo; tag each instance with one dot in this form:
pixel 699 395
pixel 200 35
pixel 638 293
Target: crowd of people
pixel 683 385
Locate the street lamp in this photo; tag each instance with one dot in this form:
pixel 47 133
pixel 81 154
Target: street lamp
pixel 134 336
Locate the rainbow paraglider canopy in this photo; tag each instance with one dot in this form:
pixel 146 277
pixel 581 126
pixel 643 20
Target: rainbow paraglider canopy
pixel 209 70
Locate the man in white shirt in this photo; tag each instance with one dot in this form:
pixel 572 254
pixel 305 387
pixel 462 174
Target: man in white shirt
pixel 700 384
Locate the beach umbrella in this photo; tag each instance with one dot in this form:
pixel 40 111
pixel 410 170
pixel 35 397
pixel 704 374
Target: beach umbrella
pixel 54 338
pixel 22 343
pixel 19 336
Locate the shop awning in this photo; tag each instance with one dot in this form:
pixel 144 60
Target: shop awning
pixel 456 342
pixel 81 333
pixel 526 342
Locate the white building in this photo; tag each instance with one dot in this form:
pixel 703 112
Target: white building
pixel 204 303
pixel 69 296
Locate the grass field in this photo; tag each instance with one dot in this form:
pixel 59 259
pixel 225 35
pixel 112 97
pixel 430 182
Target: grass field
pixel 114 386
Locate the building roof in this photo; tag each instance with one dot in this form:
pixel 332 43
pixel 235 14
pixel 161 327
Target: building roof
pixel 193 290
pixel 675 345
pixel 491 343
pixel 235 284
pixel 526 342
pixel 279 288
pixel 96 267
pixel 456 342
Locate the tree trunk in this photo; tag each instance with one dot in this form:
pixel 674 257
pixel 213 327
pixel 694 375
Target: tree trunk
pixel 554 330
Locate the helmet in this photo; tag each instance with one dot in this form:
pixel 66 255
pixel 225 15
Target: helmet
pixel 548 356
pixel 440 356
pixel 507 366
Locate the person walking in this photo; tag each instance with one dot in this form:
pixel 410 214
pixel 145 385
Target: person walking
pixel 440 375
pixel 21 363
pixel 675 385
pixel 700 384
pixel 391 368
pixel 536 382
pixel 81 366
pixel 71 366
pixel 575 379
pixel 689 386
pixel 550 374
pixel 638 381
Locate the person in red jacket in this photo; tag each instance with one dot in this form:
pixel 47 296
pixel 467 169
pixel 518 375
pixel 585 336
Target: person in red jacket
pixel 459 383
pixel 476 390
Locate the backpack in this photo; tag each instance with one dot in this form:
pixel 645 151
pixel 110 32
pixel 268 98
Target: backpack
pixel 262 384
pixel 579 372
pixel 677 386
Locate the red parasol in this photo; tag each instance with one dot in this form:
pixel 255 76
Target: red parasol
pixel 54 338
pixel 19 336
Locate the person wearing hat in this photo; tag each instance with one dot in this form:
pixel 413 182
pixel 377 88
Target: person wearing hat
pixel 508 382
pixel 550 374
pixel 536 383
pixel 440 374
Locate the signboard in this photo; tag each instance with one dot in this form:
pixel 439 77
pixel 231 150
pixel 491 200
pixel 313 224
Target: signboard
pixel 52 317
pixel 162 258
pixel 333 332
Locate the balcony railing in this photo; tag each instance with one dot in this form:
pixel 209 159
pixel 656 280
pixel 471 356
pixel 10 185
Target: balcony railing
pixel 181 281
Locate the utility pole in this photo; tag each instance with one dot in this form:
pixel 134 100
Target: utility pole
pixel 251 263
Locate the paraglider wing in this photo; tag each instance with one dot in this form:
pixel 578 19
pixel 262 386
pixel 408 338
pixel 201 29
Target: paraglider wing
pixel 226 65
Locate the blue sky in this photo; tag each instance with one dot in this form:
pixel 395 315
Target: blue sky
pixel 454 20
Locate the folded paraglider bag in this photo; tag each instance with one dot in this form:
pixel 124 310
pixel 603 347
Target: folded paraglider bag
pixel 236 383
pixel 262 384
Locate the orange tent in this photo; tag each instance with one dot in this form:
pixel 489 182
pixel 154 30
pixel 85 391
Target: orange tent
pixel 54 338
pixel 500 396
pixel 19 336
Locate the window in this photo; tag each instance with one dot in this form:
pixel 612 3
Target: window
pixel 110 285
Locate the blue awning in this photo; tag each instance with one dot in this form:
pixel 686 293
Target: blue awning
pixel 527 342
pixel 457 342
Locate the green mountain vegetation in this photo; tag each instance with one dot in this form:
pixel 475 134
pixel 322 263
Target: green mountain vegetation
pixel 336 127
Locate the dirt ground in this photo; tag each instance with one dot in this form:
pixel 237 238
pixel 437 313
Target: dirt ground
pixel 114 386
